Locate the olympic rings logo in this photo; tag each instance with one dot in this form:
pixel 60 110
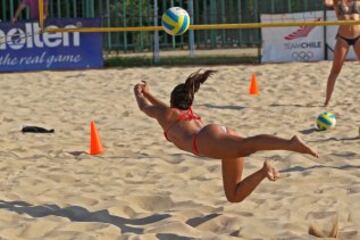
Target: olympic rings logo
pixel 302 56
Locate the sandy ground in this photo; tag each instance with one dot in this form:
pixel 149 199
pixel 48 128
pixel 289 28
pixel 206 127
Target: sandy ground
pixel 143 187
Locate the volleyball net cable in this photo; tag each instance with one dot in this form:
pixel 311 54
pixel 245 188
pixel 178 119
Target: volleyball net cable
pixel 205 26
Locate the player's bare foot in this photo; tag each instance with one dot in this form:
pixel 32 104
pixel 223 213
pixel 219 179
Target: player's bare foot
pixel 299 146
pixel 270 172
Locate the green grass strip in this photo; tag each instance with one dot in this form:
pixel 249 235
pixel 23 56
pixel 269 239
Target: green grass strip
pixel 179 61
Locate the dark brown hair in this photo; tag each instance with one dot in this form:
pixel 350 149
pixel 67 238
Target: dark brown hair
pixel 182 96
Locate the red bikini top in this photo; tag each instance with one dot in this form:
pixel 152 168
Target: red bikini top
pixel 187 115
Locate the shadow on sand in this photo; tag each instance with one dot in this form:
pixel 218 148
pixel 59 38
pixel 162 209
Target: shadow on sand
pixel 312 130
pixel 80 214
pixel 230 107
pixel 194 222
pixel 295 105
pixel 309 131
pixel 170 236
pixel 336 139
pixel 302 169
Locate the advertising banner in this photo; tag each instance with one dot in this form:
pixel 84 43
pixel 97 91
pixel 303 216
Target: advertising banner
pixel 24 48
pixel 287 44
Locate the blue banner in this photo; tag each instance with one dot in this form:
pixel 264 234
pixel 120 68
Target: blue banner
pixel 24 48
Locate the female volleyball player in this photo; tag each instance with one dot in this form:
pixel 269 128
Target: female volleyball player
pixel 347 36
pixel 186 130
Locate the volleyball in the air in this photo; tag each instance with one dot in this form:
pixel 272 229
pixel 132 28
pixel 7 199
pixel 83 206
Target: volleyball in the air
pixel 326 121
pixel 175 21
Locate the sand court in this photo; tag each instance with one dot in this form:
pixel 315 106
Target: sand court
pixel 143 187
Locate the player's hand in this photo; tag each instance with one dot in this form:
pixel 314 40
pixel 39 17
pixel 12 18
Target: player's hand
pixel 138 89
pixel 146 87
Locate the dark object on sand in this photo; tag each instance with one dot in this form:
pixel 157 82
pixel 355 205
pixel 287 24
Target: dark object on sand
pixel 35 129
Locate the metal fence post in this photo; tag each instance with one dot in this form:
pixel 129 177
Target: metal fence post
pixel 223 20
pixel 156 53
pixel 11 9
pixel 58 9
pixel 4 11
pixel 108 23
pixel 213 15
pixel 191 32
pixel 124 12
pixel 289 6
pixel 141 24
pixel 75 9
pixel 239 18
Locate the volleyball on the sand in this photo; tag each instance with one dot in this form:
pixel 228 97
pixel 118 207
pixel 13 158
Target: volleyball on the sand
pixel 326 120
pixel 175 21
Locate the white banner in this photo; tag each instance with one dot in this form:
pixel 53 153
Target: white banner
pixel 331 32
pixel 287 44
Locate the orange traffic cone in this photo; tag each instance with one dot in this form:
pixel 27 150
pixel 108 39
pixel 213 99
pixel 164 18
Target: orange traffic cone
pixel 253 91
pixel 95 144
